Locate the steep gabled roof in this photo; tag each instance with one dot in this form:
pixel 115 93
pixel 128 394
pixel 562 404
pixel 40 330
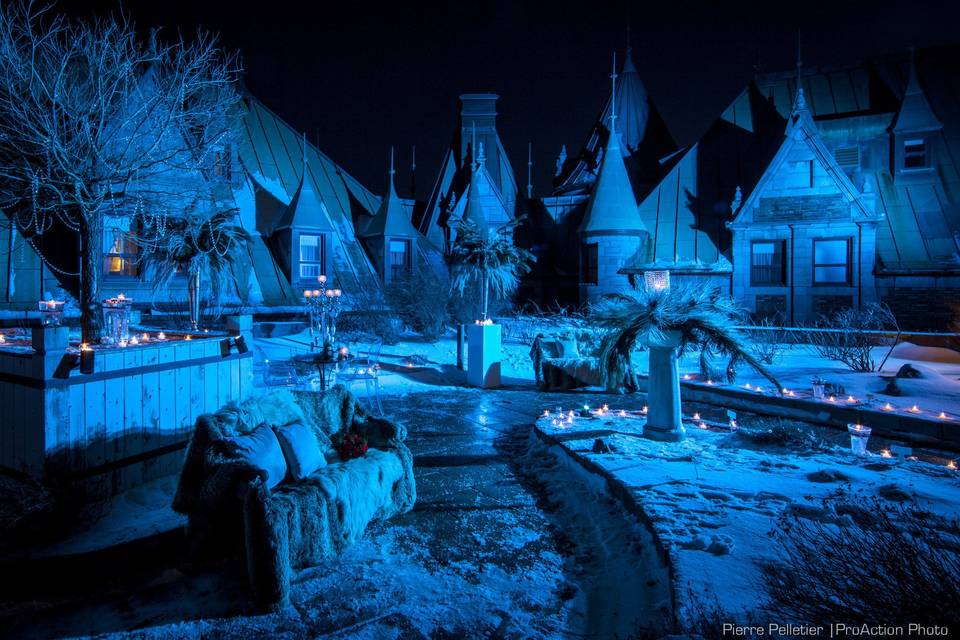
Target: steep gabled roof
pixel 801 130
pixel 272 153
pixel 644 136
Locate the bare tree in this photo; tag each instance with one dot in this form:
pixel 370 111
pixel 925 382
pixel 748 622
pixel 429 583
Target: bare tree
pixel 95 122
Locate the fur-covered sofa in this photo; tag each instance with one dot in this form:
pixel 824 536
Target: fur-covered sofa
pixel 296 523
pixel 566 361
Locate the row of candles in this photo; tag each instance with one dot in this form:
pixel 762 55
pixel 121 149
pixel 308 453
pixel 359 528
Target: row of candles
pixel 832 399
pixel 859 434
pixel 317 293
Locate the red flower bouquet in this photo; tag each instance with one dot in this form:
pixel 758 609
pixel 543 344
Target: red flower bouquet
pixel 351 446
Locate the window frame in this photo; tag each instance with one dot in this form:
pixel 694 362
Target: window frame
pixel 590 263
pixel 125 257
pixel 399 271
pixel 923 154
pixel 848 280
pixel 320 262
pixel 780 248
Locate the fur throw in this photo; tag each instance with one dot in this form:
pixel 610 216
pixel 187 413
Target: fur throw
pixel 297 523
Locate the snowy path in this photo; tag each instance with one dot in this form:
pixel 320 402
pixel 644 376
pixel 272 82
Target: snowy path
pixel 504 542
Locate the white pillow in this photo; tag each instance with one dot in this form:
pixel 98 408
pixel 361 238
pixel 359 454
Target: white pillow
pixel 300 448
pixel 261 449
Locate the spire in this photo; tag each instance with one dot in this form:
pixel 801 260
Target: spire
pixel 799 102
pixel 473 211
pixel 613 105
pixel 529 170
pixel 390 219
pixel 612 205
pixel 413 172
pixel 392 189
pixel 915 113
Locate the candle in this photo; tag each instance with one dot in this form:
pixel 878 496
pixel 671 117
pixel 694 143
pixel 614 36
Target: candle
pixel 943 416
pixel 329 293
pixel 914 409
pixel 710 383
pixel 306 293
pixel 86 358
pixel 121 297
pixel 644 409
pixel 952 465
pixel 546 413
pixel 831 399
pixel 733 424
pixel 696 416
pixel 606 407
pixel 336 293
pixel 885 453
pixel 887 407
pixel 187 337
pixel 316 293
pixel 623 414
pixel 851 399
pixel 123 343
pixel 702 425
pixel 145 337
pixel 687 376
pixel 3 338
pixel 134 340
pixel 161 336
pixel 321 278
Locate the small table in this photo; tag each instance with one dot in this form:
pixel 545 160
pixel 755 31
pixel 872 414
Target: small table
pixel 321 360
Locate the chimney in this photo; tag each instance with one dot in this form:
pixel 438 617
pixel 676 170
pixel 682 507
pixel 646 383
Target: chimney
pixel 478 111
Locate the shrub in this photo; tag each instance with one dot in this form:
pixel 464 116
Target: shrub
pixel 768 341
pixel 847 338
pixel 420 301
pixel 776 432
pixel 866 561
pixel 369 314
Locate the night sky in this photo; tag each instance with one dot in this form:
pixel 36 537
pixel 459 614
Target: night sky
pixel 361 77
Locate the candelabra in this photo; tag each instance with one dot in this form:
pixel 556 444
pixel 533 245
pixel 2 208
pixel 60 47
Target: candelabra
pixel 323 306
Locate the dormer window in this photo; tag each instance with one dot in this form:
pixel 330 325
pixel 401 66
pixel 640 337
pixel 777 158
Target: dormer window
pixel 914 154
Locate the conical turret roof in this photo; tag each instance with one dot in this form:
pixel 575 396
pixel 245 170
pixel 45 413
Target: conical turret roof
pixel 915 112
pixel 612 205
pixel 390 219
pixel 306 210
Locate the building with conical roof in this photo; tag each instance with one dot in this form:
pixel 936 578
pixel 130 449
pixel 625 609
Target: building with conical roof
pixel 395 246
pixel 611 232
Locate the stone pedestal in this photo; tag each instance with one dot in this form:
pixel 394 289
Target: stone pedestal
pixel 483 355
pixel 664 416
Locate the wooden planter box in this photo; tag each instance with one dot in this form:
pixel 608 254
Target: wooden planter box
pixel 124 424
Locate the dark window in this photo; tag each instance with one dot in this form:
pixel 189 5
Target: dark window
pixel 828 306
pixel 590 263
pixel 119 252
pixel 811 174
pixel 400 258
pixel 312 255
pixel 831 261
pixel 914 154
pixel 773 308
pixel 767 259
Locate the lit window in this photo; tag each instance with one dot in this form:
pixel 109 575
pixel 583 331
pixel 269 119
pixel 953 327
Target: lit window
pixel 831 261
pixel 312 255
pixel 400 262
pixel 914 154
pixel 766 263
pixel 590 263
pixel 119 252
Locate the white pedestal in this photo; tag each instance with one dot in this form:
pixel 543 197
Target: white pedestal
pixel 483 355
pixel 664 416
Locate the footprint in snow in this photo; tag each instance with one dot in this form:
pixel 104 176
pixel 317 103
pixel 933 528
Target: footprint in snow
pixel 827 475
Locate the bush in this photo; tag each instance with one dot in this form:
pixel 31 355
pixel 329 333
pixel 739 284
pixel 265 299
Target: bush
pixel 768 342
pixel 847 340
pixel 369 314
pixel 775 432
pixel 866 561
pixel 420 301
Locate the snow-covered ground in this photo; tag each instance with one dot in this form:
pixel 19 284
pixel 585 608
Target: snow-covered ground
pixel 715 496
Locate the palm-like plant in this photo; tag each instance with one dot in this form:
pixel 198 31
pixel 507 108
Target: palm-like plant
pixel 488 258
pixel 194 243
pixel 700 315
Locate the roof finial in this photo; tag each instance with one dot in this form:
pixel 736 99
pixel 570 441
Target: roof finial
pixel 799 102
pixel 529 170
pixel 629 39
pixel 613 96
pixel 392 170
pixel 413 173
